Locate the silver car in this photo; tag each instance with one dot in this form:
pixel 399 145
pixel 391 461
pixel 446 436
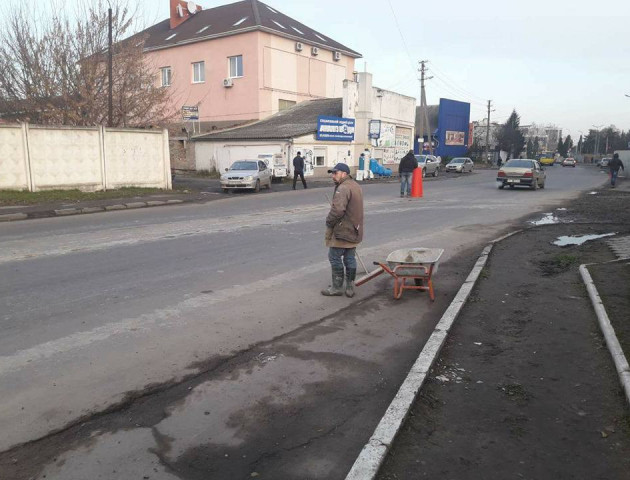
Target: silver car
pixel 522 172
pixel 250 174
pixel 428 164
pixel 460 165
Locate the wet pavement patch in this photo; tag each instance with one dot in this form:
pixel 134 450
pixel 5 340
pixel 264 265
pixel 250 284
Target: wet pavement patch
pixel 548 219
pixel 579 239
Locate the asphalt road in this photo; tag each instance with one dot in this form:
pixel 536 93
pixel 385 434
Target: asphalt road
pixel 210 317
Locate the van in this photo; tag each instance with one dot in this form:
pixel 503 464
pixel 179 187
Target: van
pixel 275 162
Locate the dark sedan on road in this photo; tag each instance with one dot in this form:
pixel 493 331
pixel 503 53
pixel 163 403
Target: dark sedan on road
pixel 522 172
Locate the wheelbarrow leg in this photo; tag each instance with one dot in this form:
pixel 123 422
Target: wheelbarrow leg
pixel 399 286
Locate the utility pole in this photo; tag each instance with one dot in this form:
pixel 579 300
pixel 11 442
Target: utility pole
pixel 110 110
pixel 597 139
pixel 424 116
pixel 488 133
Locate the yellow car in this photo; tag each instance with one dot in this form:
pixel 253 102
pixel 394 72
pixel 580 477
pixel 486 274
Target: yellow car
pixel 546 159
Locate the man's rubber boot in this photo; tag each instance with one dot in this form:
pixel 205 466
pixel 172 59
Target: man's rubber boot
pixel 351 274
pixel 336 289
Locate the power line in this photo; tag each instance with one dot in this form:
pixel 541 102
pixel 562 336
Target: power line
pixel 401 36
pixel 441 73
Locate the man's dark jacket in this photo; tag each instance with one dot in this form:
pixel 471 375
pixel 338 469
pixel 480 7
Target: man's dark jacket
pixel 298 164
pixel 408 163
pixel 615 164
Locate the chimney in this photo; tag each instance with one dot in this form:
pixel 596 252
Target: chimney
pixel 181 11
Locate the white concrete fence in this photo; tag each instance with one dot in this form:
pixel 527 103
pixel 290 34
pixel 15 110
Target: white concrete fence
pixel 93 158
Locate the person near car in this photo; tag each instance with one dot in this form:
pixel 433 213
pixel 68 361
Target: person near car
pixel 407 165
pixel 298 169
pixel 344 231
pixel 614 165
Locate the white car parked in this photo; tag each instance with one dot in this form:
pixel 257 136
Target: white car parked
pixel 428 164
pixel 460 165
pixel 250 174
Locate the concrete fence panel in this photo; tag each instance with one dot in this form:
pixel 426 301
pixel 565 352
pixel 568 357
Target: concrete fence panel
pixel 14 172
pixel 64 158
pixel 136 158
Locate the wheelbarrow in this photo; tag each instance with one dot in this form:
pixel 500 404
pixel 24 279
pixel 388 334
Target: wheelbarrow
pixel 413 265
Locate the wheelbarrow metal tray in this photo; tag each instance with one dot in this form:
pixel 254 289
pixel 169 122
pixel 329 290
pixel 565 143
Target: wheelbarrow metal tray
pixel 420 257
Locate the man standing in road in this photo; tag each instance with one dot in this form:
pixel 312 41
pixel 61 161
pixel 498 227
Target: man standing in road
pixel 407 165
pixel 614 165
pixel 344 231
pixel 298 169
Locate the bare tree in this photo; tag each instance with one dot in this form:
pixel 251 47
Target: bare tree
pixel 53 67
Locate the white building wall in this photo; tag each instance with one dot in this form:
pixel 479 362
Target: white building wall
pixel 65 158
pixel 220 154
pixel 14 172
pixel 89 159
pixel 136 158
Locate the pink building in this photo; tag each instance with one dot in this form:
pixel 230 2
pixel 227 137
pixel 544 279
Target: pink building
pixel 243 62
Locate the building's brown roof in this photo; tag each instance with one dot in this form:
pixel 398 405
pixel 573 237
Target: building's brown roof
pixel 295 122
pixel 221 22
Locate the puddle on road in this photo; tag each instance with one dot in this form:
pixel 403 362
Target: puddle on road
pixel 579 240
pixel 548 219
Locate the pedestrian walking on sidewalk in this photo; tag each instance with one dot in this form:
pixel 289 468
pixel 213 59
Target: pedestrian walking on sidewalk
pixel 298 169
pixel 407 165
pixel 344 231
pixel 614 165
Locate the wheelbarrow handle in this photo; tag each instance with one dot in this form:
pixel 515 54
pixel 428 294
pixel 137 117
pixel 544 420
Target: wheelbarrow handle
pixel 375 273
pixel 376 263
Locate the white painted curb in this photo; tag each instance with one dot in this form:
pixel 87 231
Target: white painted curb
pixel 368 462
pixel 621 363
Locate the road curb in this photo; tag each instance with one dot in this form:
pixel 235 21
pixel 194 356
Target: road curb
pixel 369 461
pixel 11 217
pixel 614 347
pixel 64 212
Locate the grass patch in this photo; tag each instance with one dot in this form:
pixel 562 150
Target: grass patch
pixel 14 197
pixel 558 264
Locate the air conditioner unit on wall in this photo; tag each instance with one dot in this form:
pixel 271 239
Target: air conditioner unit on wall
pixel 298 46
pixel 336 56
pixel 227 82
pixel 315 51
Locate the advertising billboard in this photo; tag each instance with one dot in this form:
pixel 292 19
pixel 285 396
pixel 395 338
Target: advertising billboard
pixel 454 138
pixel 335 129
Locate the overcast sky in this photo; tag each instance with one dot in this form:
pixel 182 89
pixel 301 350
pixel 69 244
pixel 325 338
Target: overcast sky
pixel 554 61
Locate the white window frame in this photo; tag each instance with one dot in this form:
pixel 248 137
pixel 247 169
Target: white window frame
pixel 234 73
pixel 167 76
pixel 319 152
pixel 199 72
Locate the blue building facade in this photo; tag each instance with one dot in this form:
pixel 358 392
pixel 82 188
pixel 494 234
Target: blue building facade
pixel 450 135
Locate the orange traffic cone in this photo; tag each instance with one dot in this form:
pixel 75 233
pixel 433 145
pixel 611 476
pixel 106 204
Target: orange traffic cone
pixel 416 183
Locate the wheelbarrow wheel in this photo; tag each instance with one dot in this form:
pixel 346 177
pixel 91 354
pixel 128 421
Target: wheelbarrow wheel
pixel 419 282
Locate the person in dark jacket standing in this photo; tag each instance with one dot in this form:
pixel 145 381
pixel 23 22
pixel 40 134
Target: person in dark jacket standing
pixel 407 165
pixel 614 165
pixel 344 231
pixel 298 169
